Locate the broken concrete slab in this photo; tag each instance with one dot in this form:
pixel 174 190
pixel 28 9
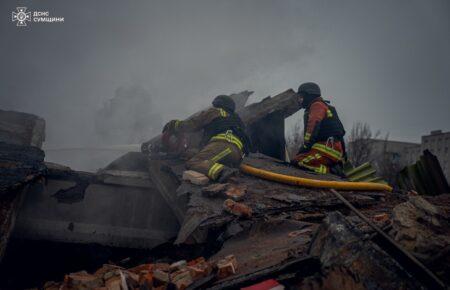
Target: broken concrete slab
pixel 20 166
pixel 108 214
pixel 125 178
pixel 21 129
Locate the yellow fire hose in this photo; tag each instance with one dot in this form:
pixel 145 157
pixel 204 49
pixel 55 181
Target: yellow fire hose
pixel 307 182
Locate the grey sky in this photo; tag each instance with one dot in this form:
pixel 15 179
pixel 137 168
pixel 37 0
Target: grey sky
pixel 383 62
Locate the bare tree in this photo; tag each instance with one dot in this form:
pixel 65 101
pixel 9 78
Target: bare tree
pixel 360 143
pixel 388 163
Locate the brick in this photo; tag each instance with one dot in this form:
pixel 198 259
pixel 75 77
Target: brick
pixel 106 268
pixel 196 261
pixel 146 278
pixel 200 270
pixel 165 267
pixel 195 177
pixel 226 267
pixel 83 280
pixel 237 208
pixel 161 277
pixel 215 189
pixel 140 268
pixel 181 279
pixel 178 265
pixel 132 278
pixel 380 218
pixel 236 192
pixel 114 283
pixel 52 285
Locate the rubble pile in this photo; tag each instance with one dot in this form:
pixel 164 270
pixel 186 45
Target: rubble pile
pixel 179 275
pixel 252 233
pixel 297 237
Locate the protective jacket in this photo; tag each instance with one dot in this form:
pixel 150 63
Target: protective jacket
pixel 228 123
pixel 322 122
pixel 217 124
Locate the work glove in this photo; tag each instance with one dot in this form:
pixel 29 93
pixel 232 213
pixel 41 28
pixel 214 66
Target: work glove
pixel 171 126
pixel 304 148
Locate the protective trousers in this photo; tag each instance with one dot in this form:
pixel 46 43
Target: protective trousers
pixel 321 157
pixel 212 159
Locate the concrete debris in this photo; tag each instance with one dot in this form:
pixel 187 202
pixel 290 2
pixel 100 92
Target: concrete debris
pixel 21 129
pixel 195 177
pixel 422 228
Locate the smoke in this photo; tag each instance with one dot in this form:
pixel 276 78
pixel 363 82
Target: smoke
pixel 382 62
pixel 128 118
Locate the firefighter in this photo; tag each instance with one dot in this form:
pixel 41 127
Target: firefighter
pixel 323 148
pixel 224 139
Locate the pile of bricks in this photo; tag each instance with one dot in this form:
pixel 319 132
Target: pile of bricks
pixel 178 275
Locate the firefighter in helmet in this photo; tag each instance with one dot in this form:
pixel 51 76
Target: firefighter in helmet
pixel 224 139
pixel 323 149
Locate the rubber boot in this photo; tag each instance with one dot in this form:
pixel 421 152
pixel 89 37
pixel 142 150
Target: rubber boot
pixel 226 173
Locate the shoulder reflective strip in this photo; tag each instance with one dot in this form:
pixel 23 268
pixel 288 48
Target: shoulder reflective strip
pixel 221 155
pixel 329 113
pixel 214 170
pixel 307 136
pixel 327 150
pixel 177 123
pixel 223 113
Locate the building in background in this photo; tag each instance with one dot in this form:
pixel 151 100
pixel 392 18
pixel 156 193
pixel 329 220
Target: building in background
pixel 401 154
